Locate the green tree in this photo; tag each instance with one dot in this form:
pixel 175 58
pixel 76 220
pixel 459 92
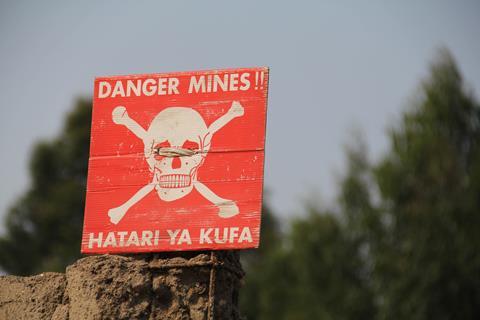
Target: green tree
pixel 43 228
pixel 326 262
pixel 427 266
pixel 316 273
pixel 403 240
pixel 254 261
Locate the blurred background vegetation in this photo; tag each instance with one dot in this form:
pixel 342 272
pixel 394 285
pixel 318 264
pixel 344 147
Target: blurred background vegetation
pixel 401 242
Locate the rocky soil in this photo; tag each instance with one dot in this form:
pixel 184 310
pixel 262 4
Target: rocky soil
pixel 154 286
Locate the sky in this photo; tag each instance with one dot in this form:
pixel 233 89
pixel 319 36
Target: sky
pixel 334 66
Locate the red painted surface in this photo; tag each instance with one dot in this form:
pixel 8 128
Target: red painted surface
pixel 231 168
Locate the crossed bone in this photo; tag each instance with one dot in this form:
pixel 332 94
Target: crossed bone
pixel 226 208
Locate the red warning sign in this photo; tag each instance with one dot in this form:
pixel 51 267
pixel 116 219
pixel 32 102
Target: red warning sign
pixel 176 161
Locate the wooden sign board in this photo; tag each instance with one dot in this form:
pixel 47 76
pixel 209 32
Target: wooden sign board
pixel 176 162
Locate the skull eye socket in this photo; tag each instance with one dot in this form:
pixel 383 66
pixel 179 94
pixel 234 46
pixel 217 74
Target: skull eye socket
pixel 163 144
pixel 190 145
pixel 158 146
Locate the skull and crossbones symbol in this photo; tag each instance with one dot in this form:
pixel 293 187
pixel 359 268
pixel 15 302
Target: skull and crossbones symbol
pixel 175 147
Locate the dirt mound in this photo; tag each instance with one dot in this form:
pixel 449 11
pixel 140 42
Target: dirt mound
pixel 155 286
pixel 36 297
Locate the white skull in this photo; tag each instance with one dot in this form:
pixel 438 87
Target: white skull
pixel 174 177
pixel 176 127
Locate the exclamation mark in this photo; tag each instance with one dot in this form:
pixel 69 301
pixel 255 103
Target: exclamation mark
pixel 262 78
pixel 256 80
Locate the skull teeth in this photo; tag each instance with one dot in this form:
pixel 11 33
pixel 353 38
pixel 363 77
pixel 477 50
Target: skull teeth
pixel 174 181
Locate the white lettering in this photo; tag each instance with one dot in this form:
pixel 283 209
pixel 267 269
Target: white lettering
pixel 135 87
pixel 217 235
pixel 147 236
pixel 133 239
pixel 173 235
pixel 205 235
pixel 245 81
pixel 110 240
pixel 185 237
pixel 122 235
pixel 218 82
pixel 233 82
pixel 233 234
pixel 118 89
pixel 104 89
pixel 162 86
pixel 173 86
pixel 149 87
pixel 98 240
pixel 246 235
pixel 198 85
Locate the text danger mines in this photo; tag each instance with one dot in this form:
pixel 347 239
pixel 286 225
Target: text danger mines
pixel 162 86
pixel 151 238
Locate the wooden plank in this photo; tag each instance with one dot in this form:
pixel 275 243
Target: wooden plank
pixel 176 161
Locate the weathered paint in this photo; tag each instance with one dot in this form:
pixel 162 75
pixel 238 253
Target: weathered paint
pixel 139 198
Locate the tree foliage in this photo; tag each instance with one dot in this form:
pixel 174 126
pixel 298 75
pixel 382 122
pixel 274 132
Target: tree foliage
pixel 403 240
pixel 43 228
pixel 428 264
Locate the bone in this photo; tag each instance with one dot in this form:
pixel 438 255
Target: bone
pixel 236 110
pixel 117 214
pixel 227 208
pixel 120 116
